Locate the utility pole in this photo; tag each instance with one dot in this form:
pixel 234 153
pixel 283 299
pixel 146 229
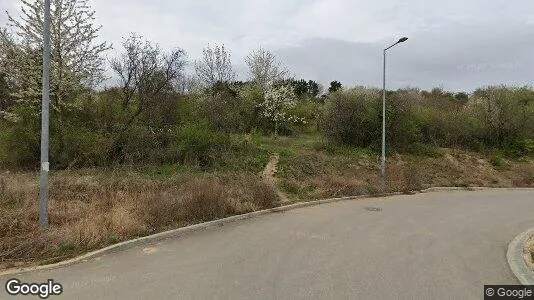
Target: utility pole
pixel 45 121
pixel 383 160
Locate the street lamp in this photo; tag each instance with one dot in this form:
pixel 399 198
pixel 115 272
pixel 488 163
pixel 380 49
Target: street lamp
pixel 383 165
pixel 45 122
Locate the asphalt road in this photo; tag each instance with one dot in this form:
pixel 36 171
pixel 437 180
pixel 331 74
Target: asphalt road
pixel 425 246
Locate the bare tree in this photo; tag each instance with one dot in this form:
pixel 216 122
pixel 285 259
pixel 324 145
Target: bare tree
pixel 77 61
pixel 188 84
pixel 148 78
pixel 264 68
pixel 146 74
pixel 215 66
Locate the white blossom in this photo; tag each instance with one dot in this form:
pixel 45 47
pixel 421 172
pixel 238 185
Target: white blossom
pixel 264 68
pixel 277 102
pixel 77 61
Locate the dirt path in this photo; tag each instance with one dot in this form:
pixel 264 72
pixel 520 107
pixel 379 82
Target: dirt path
pixel 268 176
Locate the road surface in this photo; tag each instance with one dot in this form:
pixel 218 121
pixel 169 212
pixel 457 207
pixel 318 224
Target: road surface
pixel 426 246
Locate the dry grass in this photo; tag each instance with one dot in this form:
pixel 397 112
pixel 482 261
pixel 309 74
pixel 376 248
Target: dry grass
pixel 316 175
pixel 88 212
pixel 92 209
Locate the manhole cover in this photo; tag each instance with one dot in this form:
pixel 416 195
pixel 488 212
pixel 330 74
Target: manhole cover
pixel 373 209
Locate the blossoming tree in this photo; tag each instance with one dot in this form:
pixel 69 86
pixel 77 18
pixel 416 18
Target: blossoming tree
pixel 276 106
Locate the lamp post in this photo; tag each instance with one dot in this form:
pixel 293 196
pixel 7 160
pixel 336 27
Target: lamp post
pixel 45 121
pixel 383 164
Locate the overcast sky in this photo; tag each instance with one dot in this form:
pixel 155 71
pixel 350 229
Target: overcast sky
pixel 453 44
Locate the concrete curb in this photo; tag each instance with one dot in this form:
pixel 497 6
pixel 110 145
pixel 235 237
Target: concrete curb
pixel 171 234
pixel 516 258
pixel 185 230
pixel 470 188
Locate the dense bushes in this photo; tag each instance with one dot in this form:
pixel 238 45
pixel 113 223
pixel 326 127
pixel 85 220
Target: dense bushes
pixel 352 117
pixel 493 118
pixel 506 116
pixel 19 139
pixel 195 129
pixel 230 108
pixel 198 145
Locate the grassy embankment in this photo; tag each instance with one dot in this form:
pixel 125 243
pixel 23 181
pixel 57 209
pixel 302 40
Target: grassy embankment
pixel 93 208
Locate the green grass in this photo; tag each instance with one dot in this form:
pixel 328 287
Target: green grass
pixel 497 162
pixel 164 171
pixel 65 249
pixel 304 192
pixel 112 239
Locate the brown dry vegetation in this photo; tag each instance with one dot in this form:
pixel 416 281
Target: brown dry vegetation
pixel 316 174
pixel 89 211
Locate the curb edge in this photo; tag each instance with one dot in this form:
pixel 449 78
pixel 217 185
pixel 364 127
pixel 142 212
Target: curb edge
pixel 517 262
pixel 201 226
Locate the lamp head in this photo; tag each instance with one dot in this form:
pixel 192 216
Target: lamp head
pixel 402 40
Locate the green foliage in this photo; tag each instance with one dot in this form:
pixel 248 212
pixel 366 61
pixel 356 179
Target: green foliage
pixel 65 249
pixel 245 154
pixel 461 97
pixel 83 148
pixel 20 141
pixel 231 109
pixel 518 148
pixel 112 239
pixel 198 145
pixel 6 100
pixel 421 149
pixel 98 130
pixel 404 122
pixel 334 86
pixel 303 89
pixel 506 116
pixel 352 117
pixel 418 122
pixel 497 162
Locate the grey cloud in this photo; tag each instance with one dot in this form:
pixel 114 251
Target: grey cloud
pixel 453 57
pixel 459 45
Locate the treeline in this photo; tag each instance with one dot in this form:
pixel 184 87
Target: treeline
pixel 196 129
pixel 157 113
pixel 492 118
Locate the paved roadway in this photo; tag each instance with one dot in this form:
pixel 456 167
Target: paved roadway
pixel 426 246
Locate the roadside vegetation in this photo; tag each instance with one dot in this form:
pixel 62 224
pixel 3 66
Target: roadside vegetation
pixel 162 148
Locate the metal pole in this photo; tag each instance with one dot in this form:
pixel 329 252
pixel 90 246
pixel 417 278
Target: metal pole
pixel 383 165
pixel 45 121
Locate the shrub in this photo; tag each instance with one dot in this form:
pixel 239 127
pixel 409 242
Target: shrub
pixel 84 148
pixel 421 149
pixel 231 109
pixel 495 117
pixel 506 115
pixel 308 110
pixel 497 162
pixel 352 117
pixel 20 140
pixel 198 145
pixel 204 202
pixel 276 106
